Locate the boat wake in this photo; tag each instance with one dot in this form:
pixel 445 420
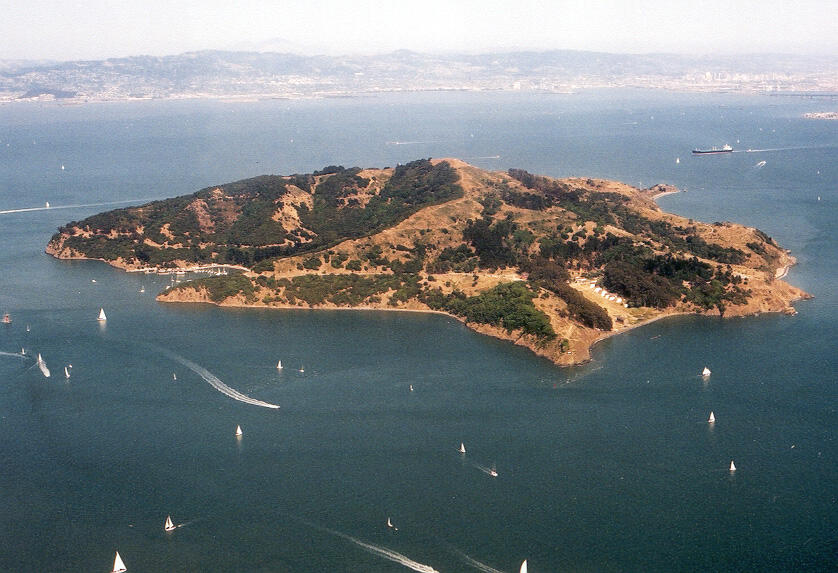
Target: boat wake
pixel 14 354
pixel 388 554
pixel 488 471
pixel 54 207
pixel 474 562
pixel 216 382
pixel 782 148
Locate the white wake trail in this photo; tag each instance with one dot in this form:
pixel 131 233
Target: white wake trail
pixel 15 354
pixel 216 382
pixel 391 555
pixel 54 207
pixel 482 468
pixel 475 563
pixel 388 554
pixel 796 148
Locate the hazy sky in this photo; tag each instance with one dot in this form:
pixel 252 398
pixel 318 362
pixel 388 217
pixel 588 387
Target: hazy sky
pixel 95 29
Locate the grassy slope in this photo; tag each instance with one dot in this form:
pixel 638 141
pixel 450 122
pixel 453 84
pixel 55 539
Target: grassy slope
pixel 512 256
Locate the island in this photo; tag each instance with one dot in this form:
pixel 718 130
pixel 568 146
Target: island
pixel 550 264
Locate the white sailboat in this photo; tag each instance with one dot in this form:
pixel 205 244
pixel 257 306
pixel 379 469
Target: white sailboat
pixel 279 364
pixel 239 431
pixel 411 387
pixel 732 466
pixel 524 567
pixel 118 565
pixel 705 372
pixel 102 315
pixel 302 370
pixel 42 366
pixel 712 418
pixel 493 472
pixel 174 376
pixel 462 448
pixel 142 289
pixel 66 373
pixel 169 526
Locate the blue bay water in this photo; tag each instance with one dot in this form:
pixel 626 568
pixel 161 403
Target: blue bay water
pixel 610 466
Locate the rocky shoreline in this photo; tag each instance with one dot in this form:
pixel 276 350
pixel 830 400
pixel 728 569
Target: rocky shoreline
pixel 777 299
pixel 548 296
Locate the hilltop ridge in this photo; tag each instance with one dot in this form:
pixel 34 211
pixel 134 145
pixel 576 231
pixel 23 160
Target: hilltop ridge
pixel 551 264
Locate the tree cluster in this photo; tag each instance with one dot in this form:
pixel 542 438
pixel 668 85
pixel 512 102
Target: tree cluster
pixel 508 305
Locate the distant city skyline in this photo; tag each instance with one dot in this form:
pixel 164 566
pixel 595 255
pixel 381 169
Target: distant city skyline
pixel 100 29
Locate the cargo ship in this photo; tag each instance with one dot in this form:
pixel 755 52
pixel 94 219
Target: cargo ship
pixel 725 149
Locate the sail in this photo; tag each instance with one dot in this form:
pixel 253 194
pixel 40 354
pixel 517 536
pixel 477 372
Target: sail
pixel 239 430
pixel 102 315
pixel 118 565
pixel 66 372
pixel 524 567
pixel 732 466
pixel 712 418
pixel 705 372
pixel 279 364
pixel 389 523
pixel 169 526
pixel 462 449
pixel 43 366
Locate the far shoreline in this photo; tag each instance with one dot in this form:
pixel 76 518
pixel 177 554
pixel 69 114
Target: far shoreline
pixel 257 97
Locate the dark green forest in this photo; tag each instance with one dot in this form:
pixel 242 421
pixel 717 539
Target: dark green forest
pixel 252 235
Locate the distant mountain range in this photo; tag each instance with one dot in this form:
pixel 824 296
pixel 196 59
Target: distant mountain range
pixel 223 74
